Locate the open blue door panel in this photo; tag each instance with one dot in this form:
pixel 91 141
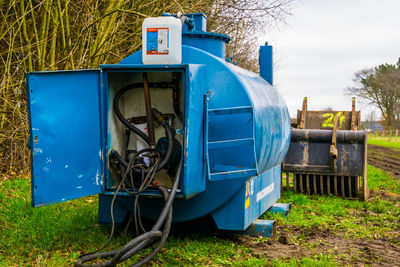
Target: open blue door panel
pixel 193 153
pixel 229 136
pixel 65 136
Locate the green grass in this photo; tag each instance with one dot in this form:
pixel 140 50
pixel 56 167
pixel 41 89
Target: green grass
pixel 358 219
pixel 380 180
pixel 385 141
pixel 52 235
pixel 56 235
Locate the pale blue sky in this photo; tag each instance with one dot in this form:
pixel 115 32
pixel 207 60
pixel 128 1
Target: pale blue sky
pixel 325 42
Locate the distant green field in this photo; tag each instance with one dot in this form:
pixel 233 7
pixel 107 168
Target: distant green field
pixel 386 141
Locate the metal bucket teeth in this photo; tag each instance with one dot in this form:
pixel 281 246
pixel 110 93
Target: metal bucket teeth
pixel 342 186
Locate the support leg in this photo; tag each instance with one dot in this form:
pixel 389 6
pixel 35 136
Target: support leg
pixel 259 227
pixel 283 208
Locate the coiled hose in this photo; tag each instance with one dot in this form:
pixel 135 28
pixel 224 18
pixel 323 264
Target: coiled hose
pixel 148 238
pixel 133 128
pixel 144 240
pixel 118 95
pixel 170 138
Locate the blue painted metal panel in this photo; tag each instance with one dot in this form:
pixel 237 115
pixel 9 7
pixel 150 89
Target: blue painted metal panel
pixel 266 228
pixel 272 120
pixel 229 136
pixel 212 43
pixel 64 113
pixel 256 195
pixel 199 22
pixel 120 209
pixel 266 63
pixel 261 193
pixel 194 180
pixel 282 208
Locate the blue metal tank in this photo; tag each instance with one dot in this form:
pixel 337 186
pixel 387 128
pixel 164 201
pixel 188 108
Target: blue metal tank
pixel 235 133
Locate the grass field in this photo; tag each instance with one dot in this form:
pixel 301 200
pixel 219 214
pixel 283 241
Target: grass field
pixel 384 141
pixel 56 235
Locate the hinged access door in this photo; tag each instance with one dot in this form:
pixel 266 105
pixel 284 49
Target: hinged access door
pixel 194 180
pixel 229 143
pixel 65 136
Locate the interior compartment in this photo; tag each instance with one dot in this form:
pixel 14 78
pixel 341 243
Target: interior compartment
pixel 132 105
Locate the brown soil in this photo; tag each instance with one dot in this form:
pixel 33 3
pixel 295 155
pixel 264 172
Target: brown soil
pixel 315 241
pixel 300 242
pixel 385 158
pixel 384 195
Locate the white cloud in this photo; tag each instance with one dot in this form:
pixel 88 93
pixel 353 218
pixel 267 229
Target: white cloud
pixel 325 42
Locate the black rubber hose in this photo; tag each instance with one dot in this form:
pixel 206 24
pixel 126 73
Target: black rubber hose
pixel 107 254
pixel 121 117
pixel 144 240
pixel 167 210
pixel 164 237
pixel 170 137
pixel 149 236
pixel 165 217
pixel 124 150
pixel 125 164
pixel 176 98
pixel 119 114
pixel 124 153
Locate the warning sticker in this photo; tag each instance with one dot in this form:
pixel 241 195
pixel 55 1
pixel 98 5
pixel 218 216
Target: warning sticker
pixel 157 41
pixel 246 204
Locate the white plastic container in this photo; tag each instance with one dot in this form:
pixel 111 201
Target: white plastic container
pixel 162 40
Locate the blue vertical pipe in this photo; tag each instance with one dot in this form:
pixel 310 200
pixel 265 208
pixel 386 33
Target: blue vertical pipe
pixel 266 63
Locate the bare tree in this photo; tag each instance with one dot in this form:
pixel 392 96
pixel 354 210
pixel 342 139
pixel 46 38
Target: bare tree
pixel 38 35
pixel 380 87
pixel 370 119
pixel 246 21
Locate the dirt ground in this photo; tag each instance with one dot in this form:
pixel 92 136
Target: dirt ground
pixel 315 241
pixel 299 242
pixel 385 158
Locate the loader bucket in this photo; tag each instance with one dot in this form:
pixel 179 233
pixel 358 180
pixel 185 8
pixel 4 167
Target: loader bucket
pixel 327 153
pixel 327 162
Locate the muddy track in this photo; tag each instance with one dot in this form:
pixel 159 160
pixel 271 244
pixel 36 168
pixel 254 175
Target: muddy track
pixel 315 241
pixel 385 158
pixel 297 242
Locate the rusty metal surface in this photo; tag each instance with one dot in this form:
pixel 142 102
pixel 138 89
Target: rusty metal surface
pixel 309 152
pixel 147 101
pixel 308 165
pixel 325 119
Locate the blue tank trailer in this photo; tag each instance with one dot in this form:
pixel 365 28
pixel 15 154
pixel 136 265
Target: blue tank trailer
pixel 232 134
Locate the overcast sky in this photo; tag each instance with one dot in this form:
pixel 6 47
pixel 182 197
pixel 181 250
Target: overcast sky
pixel 325 42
